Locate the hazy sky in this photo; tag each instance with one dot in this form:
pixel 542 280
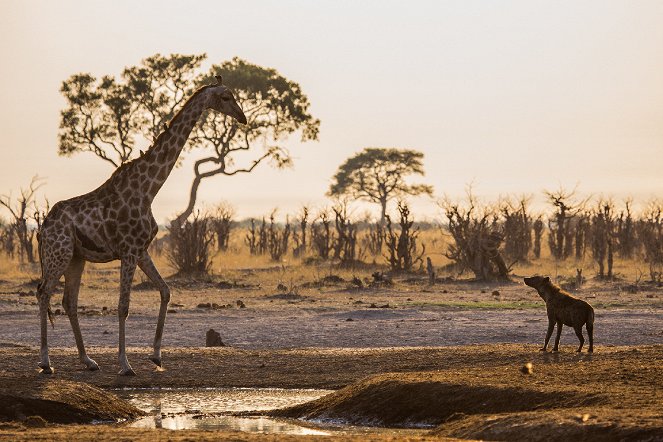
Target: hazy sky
pixel 516 96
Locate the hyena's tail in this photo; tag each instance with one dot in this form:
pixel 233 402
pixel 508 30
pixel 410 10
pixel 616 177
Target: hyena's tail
pixel 590 326
pixel 590 317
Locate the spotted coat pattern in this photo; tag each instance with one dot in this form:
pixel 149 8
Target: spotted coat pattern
pixel 114 222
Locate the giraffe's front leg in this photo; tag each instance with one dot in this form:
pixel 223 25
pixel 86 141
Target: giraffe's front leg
pixel 128 268
pixel 147 266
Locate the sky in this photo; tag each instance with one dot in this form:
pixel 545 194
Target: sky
pixel 512 96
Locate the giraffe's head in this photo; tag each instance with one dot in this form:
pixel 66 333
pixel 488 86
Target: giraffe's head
pixel 222 100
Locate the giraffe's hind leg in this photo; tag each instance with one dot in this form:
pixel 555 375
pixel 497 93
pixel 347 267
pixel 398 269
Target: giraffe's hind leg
pixel 44 292
pixel 72 283
pixel 127 269
pixel 147 266
pixel 54 262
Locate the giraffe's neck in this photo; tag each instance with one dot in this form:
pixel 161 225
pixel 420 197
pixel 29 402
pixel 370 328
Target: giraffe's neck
pixel 157 163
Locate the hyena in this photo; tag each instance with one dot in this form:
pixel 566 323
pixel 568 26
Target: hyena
pixel 564 309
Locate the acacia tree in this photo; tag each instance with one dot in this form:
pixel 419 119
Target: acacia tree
pixel 108 116
pixel 274 106
pixel 378 175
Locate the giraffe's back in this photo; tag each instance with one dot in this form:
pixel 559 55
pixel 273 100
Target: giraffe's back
pixel 102 225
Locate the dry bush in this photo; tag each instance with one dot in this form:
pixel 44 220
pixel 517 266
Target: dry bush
pixel 602 226
pixel 344 243
pixel 256 238
pixel 277 238
pixel 650 233
pixel 322 237
pixel 517 227
pixel 562 222
pixel 476 239
pixel 625 231
pixel 401 247
pixel 189 251
pixel 299 234
pixel 221 223
pixel 24 210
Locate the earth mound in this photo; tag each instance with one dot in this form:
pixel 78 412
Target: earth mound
pixel 428 399
pixel 558 425
pixel 61 401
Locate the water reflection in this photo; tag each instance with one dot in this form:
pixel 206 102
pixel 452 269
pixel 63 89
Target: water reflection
pixel 246 424
pixel 191 409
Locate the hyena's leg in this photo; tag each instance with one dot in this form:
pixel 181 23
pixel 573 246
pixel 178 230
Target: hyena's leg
pixel 127 270
pixel 559 335
pixel 578 331
pixel 590 333
pixel 551 326
pixel 72 284
pixel 147 266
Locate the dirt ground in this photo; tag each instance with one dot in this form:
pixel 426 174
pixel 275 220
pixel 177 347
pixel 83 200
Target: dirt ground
pixel 620 388
pixel 319 331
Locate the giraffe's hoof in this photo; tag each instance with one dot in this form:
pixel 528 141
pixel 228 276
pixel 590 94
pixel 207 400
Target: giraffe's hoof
pixel 93 367
pixel 157 361
pixel 46 370
pixel 127 372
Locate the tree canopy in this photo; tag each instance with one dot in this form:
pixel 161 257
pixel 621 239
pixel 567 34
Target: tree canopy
pixel 110 117
pixel 378 175
pixel 107 116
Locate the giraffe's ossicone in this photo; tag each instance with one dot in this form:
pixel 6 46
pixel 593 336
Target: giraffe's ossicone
pixel 115 221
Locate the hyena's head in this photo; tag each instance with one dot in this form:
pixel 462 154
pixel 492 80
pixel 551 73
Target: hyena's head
pixel 540 283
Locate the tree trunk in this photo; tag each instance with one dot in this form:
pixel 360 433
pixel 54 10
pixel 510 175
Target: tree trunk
pixel 182 217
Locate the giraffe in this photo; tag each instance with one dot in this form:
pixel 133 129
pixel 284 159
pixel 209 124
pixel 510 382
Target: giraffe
pixel 114 222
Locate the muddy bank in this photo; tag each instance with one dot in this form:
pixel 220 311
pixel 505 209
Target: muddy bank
pixel 428 399
pixel 615 396
pixel 60 401
pixel 558 425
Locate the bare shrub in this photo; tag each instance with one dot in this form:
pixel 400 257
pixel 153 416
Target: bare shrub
pixel 299 234
pixel 581 227
pixel 650 233
pixel 561 236
pixel 602 226
pixel 476 242
pixel 537 227
pixel 221 223
pixel 23 210
pixel 7 242
pixel 277 238
pixel 625 231
pixel 372 240
pixel 321 235
pixel 517 225
pixel 190 243
pixel 256 238
pixel 344 243
pixel 401 247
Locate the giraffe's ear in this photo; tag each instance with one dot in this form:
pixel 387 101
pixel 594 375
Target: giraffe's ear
pixel 219 80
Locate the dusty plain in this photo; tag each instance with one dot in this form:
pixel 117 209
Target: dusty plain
pixel 446 358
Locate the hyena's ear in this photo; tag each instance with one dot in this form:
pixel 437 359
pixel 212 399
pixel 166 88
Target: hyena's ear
pixel 547 279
